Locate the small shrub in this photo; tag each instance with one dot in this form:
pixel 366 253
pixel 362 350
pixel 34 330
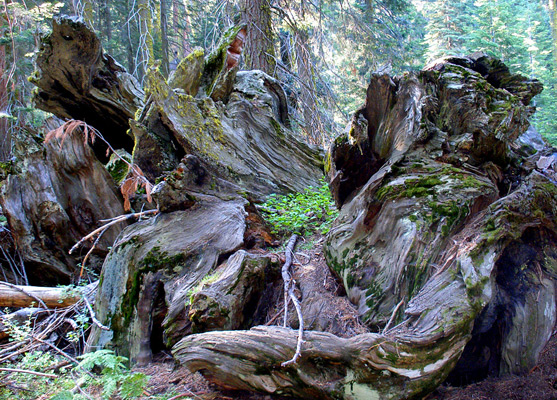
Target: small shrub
pixel 309 212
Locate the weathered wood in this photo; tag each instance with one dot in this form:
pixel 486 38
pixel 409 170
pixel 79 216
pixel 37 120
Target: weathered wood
pixel 56 196
pixel 52 297
pixel 182 247
pixel 77 79
pixel 440 237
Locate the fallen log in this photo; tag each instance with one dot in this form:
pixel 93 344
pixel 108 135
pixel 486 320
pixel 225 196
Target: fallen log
pixel 51 297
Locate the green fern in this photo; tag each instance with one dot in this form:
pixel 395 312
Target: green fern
pixel 114 376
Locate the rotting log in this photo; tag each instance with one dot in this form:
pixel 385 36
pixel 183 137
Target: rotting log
pixel 221 143
pixel 453 224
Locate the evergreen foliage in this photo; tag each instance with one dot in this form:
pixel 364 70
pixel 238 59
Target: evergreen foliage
pixel 325 50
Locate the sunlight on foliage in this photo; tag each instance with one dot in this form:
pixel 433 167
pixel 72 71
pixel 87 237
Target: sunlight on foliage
pixel 309 212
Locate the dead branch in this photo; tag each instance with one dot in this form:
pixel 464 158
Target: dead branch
pixel 111 222
pixel 391 320
pixel 25 371
pixel 289 294
pixel 93 317
pixel 63 354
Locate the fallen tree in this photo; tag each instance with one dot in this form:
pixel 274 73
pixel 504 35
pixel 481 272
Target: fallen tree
pixel 445 240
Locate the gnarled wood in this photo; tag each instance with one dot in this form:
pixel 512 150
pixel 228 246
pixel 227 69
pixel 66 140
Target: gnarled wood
pixel 77 79
pixel 441 236
pixel 59 195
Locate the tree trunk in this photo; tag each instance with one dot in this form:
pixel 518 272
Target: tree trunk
pixel 50 206
pixel 260 51
pixel 5 136
pixel 107 27
pixel 164 38
pixel 127 39
pixel 553 22
pixel 307 97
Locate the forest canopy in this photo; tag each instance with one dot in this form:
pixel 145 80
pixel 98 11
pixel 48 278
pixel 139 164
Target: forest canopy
pixel 322 52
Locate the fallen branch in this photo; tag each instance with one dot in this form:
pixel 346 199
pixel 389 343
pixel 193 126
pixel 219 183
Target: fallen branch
pixel 393 316
pixel 93 317
pixel 47 297
pixel 25 371
pixel 286 273
pixel 111 222
pixel 63 354
pixel 289 294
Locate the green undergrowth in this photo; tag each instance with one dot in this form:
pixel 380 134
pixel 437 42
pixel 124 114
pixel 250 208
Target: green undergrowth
pixel 307 213
pixel 100 375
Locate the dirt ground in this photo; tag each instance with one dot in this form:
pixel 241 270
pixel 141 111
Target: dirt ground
pixel 178 383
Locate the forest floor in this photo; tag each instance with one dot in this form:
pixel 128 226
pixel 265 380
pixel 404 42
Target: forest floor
pixel 539 384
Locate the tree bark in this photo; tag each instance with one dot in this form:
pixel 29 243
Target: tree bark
pixel 259 52
pixel 50 206
pixel 552 5
pixel 310 111
pixel 164 38
pixel 5 136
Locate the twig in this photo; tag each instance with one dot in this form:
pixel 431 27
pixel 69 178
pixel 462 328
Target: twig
pixel 25 371
pixel 289 294
pixel 272 320
pixel 93 317
pixel 61 364
pixel 114 221
pixel 391 320
pixel 64 354
pixel 25 293
pixel 90 251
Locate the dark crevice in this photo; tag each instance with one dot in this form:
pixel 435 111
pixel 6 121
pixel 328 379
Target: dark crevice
pixel 160 310
pixel 482 355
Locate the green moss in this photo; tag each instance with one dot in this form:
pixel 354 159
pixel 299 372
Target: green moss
pixel 414 187
pixel 118 166
pixel 374 293
pixel 154 260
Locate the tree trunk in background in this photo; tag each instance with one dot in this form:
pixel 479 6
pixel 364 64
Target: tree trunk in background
pixel 106 23
pixel 164 38
pixel 307 93
pixel 259 52
pixel 128 40
pixel 5 136
pixel 146 52
pixel 186 34
pixel 553 22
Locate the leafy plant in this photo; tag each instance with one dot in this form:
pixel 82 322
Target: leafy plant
pixel 114 375
pixel 309 212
